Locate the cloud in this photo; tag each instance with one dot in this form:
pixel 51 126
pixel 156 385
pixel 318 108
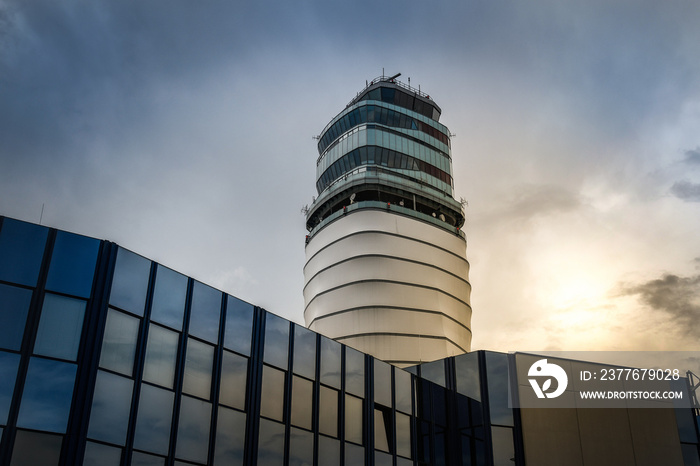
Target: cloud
pixel 692 156
pixel 677 297
pixel 686 191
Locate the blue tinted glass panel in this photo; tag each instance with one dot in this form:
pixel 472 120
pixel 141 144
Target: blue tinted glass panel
pixel 354 372
pixel 239 325
pixel 130 282
pixel 36 449
pixel 198 365
pixel 153 420
pixel 276 341
pixel 161 354
pixel 690 455
pixel 21 251
pixel 497 378
pixel 304 352
pixel 169 296
pixel 234 374
pixel 119 342
pixel 330 362
pixel 328 451
pixel 60 327
pixel 272 403
pixel 193 430
pixel 109 417
pixel 301 447
pixel 8 373
pixel 97 454
pixel 270 443
pixel 206 310
pixel 73 264
pixel 48 391
pixel 144 459
pixel 230 438
pixel 14 305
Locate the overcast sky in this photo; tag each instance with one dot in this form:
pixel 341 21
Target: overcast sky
pixel 183 131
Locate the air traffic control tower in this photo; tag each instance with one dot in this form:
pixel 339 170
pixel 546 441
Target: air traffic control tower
pixel 386 269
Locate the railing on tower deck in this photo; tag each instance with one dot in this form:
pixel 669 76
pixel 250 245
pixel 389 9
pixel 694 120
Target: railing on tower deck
pixel 393 80
pixel 379 205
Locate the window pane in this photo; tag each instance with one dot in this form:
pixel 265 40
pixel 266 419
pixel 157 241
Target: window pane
pixel 206 310
pixel 230 437
pixel 14 305
pixel 130 282
pixel 8 374
pixel 161 355
pixel 402 390
pixel 73 264
pixel 272 403
pixel 353 419
pixel 304 352
pixel 382 459
pixel 198 364
pixel 328 451
pixel 302 396
pixel 34 449
pixel 270 443
pixel 382 383
pixel 330 362
pixel 48 391
pixel 111 405
pixel 169 297
pixel 354 455
pixel 143 459
pixel 355 372
pixel 97 454
pixel 60 327
pixel 497 380
pixel 193 430
pixel 119 342
pixel 403 435
pixel 434 371
pixel 153 420
pixel 276 341
pixel 382 423
pixel 301 447
pixel 328 411
pixel 21 251
pixel 239 325
pixel 503 449
pixel 234 374
pixel 467 375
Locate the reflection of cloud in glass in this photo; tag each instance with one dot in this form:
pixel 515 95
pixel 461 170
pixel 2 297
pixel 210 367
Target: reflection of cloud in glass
pixel 169 298
pixel 47 395
pixel 130 282
pixel 193 430
pixel 198 366
pixel 206 310
pixel 230 436
pixel 111 404
pixel 239 324
pixel 60 327
pixel 153 420
pixel 161 353
pixel 234 374
pixel 270 443
pixel 119 342
pixel 276 341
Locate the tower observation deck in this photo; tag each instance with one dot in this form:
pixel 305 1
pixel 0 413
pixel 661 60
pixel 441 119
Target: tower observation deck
pixel 386 269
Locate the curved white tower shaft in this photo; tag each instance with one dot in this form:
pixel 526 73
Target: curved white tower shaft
pixel 386 269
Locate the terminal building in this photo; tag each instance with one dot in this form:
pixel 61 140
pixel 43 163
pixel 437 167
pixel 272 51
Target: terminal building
pixel 386 269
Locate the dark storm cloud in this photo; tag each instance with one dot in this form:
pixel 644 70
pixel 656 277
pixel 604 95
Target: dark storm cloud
pixel 686 191
pixel 678 297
